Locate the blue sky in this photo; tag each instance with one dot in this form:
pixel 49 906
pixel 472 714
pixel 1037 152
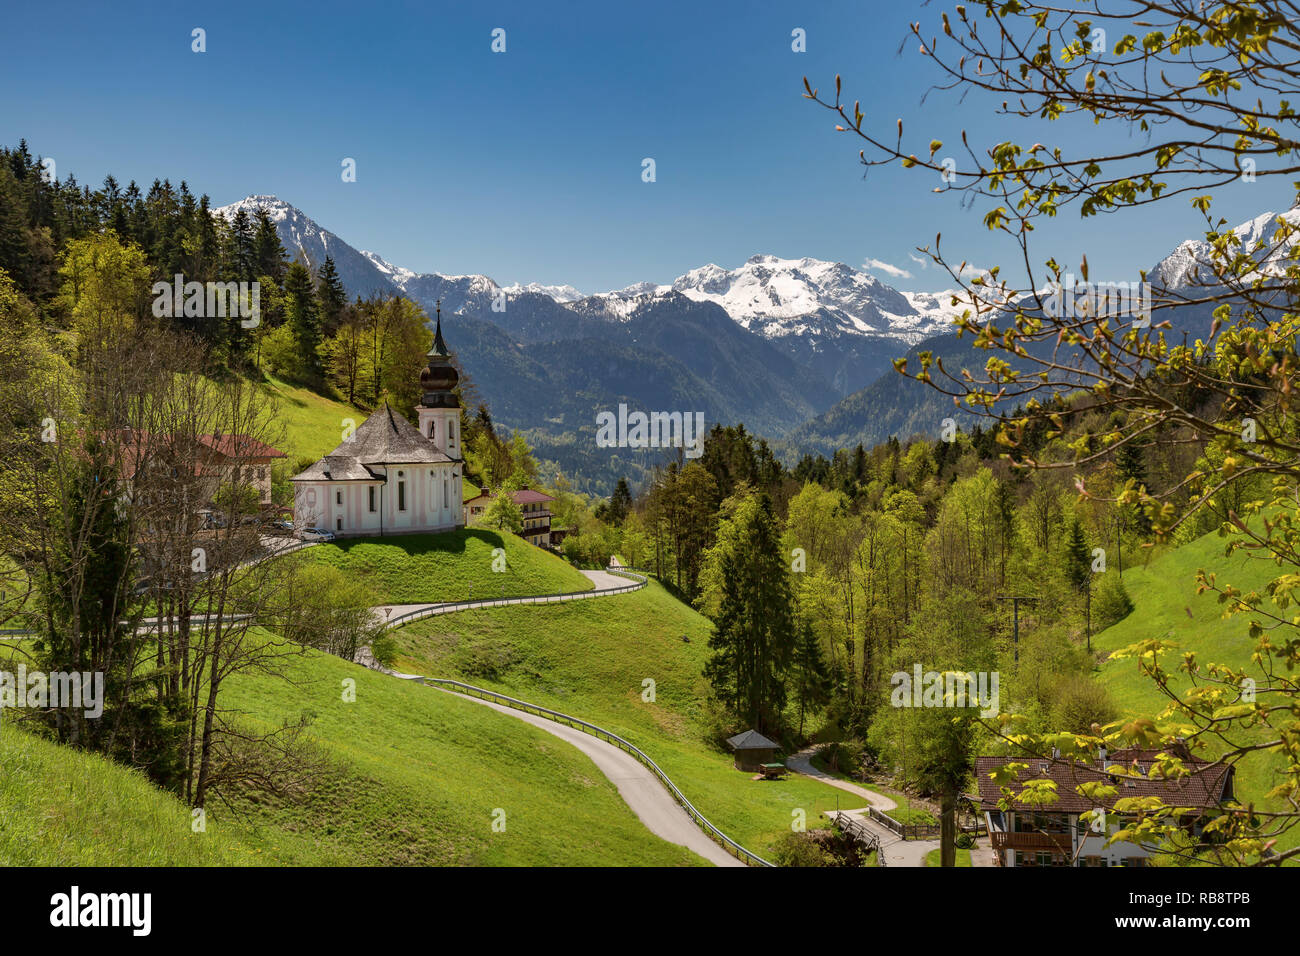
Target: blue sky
pixel 526 165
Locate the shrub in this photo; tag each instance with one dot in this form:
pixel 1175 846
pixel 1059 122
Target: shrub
pixel 1111 604
pixel 800 849
pixel 1079 703
pixel 963 841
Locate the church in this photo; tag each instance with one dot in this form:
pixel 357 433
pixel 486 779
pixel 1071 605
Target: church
pixel 389 476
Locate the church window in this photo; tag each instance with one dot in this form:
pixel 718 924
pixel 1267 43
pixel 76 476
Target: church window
pixel 401 495
pixel 372 499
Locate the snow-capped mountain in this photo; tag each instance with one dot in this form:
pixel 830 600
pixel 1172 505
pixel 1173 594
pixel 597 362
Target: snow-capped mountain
pixel 1191 264
pixel 843 323
pixel 781 297
pixel 302 237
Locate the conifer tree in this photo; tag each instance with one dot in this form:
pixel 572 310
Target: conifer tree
pixel 753 638
pixel 304 323
pixel 332 298
pixel 268 253
pixel 1078 571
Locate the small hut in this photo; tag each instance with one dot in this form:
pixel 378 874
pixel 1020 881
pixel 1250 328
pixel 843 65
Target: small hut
pixel 752 750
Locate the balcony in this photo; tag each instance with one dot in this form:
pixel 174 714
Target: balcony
pixel 1059 842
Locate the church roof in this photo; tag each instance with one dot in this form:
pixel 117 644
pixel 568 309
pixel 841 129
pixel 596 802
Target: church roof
pixel 385 438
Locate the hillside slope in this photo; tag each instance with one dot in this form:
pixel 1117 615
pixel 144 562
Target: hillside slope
pixel 592 659
pixel 1166 606
pixel 63 807
pixel 451 566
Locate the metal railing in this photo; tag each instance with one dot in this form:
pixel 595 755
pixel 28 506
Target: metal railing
pixel 728 844
pixel 453 606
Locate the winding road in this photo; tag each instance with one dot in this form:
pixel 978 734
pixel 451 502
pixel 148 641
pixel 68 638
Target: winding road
pixel 639 788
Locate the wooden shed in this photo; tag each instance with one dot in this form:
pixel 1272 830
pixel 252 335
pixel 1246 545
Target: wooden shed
pixel 752 750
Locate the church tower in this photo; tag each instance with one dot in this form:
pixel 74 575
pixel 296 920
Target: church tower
pixel 439 408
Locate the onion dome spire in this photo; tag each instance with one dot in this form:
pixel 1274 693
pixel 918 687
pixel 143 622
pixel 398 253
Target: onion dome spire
pixel 439 378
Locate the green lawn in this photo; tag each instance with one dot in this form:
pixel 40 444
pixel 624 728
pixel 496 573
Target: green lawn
pixel 1166 606
pixel 418 775
pixel 313 424
pixel 407 776
pixel 591 659
pixel 451 566
pixel 963 857
pixel 62 807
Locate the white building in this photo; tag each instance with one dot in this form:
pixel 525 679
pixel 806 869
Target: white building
pixel 392 477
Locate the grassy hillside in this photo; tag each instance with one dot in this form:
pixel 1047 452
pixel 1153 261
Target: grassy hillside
pixel 405 776
pixel 416 775
pixel 313 424
pixel 590 659
pixel 451 566
pixel 1166 606
pixel 62 807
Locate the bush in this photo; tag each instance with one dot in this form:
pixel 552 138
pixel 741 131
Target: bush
pixel 1111 604
pixel 963 841
pixel 1079 703
pixel 800 849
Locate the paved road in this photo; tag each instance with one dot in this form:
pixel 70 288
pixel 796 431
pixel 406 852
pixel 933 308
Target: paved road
pixel 602 583
pixel 639 788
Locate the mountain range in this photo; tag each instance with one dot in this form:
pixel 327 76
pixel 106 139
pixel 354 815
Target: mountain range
pixel 799 350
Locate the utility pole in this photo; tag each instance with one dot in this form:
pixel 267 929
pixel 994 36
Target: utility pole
pixel 1015 600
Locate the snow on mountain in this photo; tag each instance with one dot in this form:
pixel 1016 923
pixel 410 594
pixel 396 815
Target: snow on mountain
pixel 773 297
pixel 303 238
pixel 783 297
pixel 1191 264
pixel 560 293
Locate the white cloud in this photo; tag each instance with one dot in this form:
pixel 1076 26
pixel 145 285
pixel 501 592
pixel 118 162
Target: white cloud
pixel 918 260
pixel 894 272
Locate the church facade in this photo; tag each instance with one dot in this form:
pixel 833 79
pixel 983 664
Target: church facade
pixel 389 476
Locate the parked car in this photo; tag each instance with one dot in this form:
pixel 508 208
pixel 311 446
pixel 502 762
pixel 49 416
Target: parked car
pixel 316 534
pixel 280 526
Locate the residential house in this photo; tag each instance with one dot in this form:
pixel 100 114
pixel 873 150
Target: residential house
pixel 1055 835
pixel 534 505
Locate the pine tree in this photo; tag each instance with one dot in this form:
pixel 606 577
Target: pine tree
pixel 620 502
pixel 1078 571
pixel 300 304
pixel 812 677
pixel 754 634
pixel 332 298
pixel 268 253
pixel 1131 466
